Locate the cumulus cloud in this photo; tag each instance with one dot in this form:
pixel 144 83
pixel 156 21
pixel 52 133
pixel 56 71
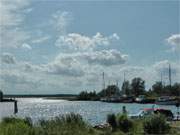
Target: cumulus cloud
pixel 16 81
pixel 66 66
pixel 106 57
pixel 12 16
pixel 174 41
pixel 8 58
pixel 162 67
pixel 78 42
pixel 10 12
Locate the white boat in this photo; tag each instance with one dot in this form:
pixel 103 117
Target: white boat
pixel 166 100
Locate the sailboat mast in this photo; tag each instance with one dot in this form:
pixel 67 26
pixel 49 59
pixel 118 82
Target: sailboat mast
pixel 169 74
pixel 124 76
pixel 161 78
pixel 103 81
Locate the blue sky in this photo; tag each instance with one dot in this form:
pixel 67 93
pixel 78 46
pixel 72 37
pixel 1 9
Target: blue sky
pixel 64 46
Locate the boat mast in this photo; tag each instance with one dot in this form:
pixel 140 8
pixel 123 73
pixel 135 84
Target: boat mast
pixel 169 74
pixel 124 76
pixel 103 84
pixel 161 78
pixel 117 83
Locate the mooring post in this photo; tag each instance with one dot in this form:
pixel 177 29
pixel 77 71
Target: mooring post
pixel 15 107
pixel 177 105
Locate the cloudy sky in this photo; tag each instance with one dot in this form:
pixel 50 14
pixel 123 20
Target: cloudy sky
pixel 55 46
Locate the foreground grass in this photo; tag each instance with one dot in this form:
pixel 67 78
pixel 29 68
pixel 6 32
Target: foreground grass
pixel 70 124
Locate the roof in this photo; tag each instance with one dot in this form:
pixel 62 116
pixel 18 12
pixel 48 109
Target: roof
pixel 153 109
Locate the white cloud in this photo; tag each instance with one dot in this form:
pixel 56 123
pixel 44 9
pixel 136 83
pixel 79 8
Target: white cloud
pixel 174 41
pixel 161 64
pixel 66 66
pixel 40 40
pixel 8 58
pixel 105 57
pixel 72 67
pixel 162 67
pixel 12 16
pixel 26 46
pixel 13 38
pixel 10 12
pixel 78 42
pixel 61 20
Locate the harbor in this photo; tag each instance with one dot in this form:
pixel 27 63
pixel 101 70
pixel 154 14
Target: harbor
pixel 89 67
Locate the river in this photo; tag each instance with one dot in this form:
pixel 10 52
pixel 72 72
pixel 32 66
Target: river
pixel 94 112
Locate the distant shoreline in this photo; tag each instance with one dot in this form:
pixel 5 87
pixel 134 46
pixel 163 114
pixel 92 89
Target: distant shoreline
pixel 70 97
pixel 40 95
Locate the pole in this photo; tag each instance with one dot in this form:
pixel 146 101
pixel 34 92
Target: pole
pixel 15 107
pixel 103 81
pixel 170 75
pixel 124 76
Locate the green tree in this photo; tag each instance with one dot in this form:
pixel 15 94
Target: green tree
pixel 138 86
pixel 167 90
pixel 84 95
pixel 175 89
pixel 110 91
pixel 157 88
pixel 126 88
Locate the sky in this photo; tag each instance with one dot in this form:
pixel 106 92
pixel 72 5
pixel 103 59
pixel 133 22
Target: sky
pixel 56 46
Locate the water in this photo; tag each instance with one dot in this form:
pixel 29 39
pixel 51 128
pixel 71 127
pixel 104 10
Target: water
pixel 94 112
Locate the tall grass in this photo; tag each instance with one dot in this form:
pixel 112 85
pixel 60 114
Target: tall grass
pixel 70 124
pixel 73 124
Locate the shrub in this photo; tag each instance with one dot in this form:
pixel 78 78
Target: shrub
pixel 124 123
pixel 156 124
pixel 15 126
pixel 69 124
pixel 111 119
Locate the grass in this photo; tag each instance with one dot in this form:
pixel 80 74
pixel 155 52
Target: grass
pixel 70 124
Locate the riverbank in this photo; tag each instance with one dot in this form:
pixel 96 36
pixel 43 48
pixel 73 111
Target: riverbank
pixel 74 124
pixel 93 97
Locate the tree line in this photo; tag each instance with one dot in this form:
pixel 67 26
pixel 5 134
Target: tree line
pixel 134 88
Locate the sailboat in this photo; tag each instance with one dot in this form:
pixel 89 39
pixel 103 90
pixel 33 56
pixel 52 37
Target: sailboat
pixel 167 100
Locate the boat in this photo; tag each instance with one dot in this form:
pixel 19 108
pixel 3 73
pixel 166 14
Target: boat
pixel 115 99
pixel 142 99
pixel 118 99
pixel 166 100
pixel 146 112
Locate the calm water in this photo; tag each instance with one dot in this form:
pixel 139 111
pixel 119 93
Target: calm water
pixel 94 112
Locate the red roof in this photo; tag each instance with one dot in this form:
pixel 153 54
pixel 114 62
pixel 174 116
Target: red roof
pixel 152 109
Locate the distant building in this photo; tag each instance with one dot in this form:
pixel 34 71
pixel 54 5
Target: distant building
pixel 1 96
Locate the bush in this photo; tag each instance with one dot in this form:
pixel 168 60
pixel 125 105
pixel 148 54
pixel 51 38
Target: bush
pixel 124 123
pixel 111 119
pixel 70 124
pixel 15 126
pixel 156 124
